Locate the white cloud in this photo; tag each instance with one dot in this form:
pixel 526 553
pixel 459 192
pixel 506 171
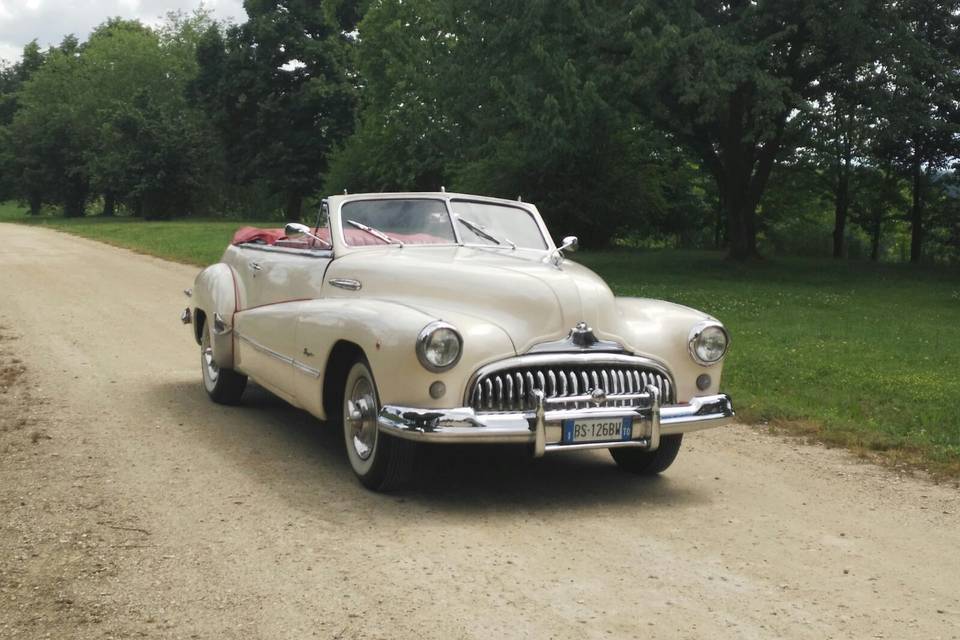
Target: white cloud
pixel 50 20
pixel 9 53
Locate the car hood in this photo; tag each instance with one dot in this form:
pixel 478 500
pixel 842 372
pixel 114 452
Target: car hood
pixel 530 300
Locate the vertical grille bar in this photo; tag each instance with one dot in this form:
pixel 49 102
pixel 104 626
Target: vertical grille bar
pixel 511 390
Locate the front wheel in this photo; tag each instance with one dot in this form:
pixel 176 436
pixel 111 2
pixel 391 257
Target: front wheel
pixel 224 386
pixel 381 462
pixel 649 463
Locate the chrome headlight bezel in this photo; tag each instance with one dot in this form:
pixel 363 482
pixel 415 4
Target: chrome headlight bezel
pixel 424 339
pixel 697 333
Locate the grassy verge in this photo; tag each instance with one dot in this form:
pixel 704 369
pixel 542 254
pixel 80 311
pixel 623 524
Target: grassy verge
pixel 859 355
pixel 855 354
pixel 198 242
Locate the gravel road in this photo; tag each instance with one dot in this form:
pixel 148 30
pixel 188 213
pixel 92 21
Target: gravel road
pixel 133 507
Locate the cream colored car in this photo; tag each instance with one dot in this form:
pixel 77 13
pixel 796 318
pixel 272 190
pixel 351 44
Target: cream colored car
pixel 414 319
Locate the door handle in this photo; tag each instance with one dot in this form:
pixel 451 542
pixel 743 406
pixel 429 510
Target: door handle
pixel 255 266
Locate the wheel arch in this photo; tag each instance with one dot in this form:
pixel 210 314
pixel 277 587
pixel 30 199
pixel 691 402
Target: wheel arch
pixel 199 322
pixel 342 356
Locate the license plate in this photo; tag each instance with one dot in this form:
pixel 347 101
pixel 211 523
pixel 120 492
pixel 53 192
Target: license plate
pixel 597 430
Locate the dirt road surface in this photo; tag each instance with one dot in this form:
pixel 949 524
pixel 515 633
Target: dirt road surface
pixel 131 506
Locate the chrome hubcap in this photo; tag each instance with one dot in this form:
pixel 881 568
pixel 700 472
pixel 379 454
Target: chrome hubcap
pixel 206 359
pixel 361 418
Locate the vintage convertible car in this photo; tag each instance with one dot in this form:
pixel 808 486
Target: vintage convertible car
pixel 415 318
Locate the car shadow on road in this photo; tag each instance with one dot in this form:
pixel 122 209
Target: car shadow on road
pixel 452 478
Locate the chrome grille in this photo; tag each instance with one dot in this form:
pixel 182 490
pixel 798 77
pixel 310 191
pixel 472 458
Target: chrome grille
pixel 511 388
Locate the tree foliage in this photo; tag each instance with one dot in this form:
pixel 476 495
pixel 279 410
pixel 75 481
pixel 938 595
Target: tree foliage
pixel 792 126
pixel 279 88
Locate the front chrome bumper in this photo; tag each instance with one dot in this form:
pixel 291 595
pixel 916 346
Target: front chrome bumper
pixel 543 427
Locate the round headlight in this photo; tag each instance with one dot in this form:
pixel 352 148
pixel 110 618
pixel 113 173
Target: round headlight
pixel 708 343
pixel 439 346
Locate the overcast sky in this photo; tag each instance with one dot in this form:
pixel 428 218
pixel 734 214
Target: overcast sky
pixel 50 20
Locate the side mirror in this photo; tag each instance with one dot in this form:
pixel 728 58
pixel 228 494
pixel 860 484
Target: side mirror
pixel 296 229
pixel 570 243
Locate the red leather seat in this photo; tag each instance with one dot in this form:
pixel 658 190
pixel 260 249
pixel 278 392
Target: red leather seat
pixel 355 238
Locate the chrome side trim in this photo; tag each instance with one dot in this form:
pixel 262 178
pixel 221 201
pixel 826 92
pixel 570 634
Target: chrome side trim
pixel 279 356
pixel 306 368
pixel 307 253
pixel 346 283
pixel 549 359
pixel 464 425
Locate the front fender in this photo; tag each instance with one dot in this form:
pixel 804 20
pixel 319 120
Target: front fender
pixel 387 332
pixel 662 329
pixel 215 292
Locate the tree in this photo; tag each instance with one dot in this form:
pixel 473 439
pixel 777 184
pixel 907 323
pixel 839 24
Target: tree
pixel 510 99
pixel 726 79
pixel 49 135
pixel 920 116
pixel 878 200
pixel 12 77
pixel 280 89
pixel 150 149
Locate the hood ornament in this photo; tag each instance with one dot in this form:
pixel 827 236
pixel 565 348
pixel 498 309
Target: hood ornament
pixel 580 338
pixel 582 335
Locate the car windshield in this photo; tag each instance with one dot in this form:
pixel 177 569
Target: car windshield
pixel 498 224
pixel 418 221
pixel 427 221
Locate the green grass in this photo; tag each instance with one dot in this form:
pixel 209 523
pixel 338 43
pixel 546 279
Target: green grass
pixel 865 356
pixel 861 355
pixel 198 242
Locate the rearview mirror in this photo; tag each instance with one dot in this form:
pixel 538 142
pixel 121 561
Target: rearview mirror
pixel 570 243
pixel 296 229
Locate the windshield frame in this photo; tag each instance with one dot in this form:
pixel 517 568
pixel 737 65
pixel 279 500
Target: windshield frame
pixel 446 198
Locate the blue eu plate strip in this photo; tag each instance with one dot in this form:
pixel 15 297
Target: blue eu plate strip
pixel 625 434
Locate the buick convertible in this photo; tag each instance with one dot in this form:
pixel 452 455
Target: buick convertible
pixel 418 319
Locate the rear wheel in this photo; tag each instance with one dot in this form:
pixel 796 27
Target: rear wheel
pixel 649 463
pixel 381 462
pixel 224 386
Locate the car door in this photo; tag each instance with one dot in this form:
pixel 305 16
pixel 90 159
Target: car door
pixel 279 281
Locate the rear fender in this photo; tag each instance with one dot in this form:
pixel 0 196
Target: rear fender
pixel 215 302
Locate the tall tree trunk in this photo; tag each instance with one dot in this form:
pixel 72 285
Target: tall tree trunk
pixel 718 225
pixel 841 196
pixel 109 204
pixel 36 202
pixel 742 171
pixel 741 229
pixel 742 186
pixel 916 213
pixel 841 204
pixel 294 206
pixel 876 226
pixel 75 198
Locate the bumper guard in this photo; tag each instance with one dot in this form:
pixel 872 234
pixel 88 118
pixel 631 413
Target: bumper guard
pixel 543 427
